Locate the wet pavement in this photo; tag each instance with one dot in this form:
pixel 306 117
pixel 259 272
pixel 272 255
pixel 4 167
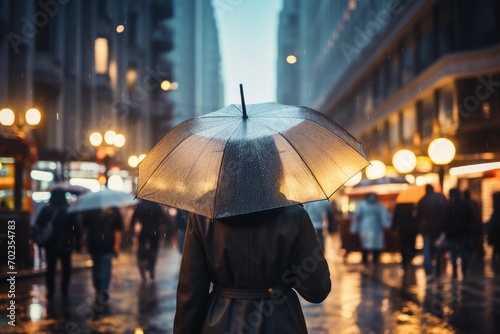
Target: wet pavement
pixel 364 299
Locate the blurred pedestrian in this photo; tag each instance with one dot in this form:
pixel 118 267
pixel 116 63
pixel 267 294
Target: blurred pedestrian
pixel 494 228
pixel 104 228
pixel 458 221
pixel 181 220
pixel 405 223
pixel 148 217
pixel 371 218
pixel 320 213
pixel 59 246
pixel 430 219
pixel 475 240
pixel 333 222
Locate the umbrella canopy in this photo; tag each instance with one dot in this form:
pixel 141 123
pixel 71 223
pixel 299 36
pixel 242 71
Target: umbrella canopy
pixel 104 198
pixel 231 162
pixel 66 186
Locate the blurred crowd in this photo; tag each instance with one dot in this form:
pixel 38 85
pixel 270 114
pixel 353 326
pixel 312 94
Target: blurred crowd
pixel 451 228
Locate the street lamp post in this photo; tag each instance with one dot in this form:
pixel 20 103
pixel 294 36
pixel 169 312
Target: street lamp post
pixel 441 151
pixel 106 146
pixel 18 128
pixel 31 117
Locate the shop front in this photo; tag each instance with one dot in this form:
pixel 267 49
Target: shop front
pixel 17 155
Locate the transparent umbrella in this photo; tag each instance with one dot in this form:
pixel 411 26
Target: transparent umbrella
pixel 243 159
pixel 104 198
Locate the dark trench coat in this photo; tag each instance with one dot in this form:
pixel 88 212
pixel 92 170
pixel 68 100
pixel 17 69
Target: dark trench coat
pixel 256 265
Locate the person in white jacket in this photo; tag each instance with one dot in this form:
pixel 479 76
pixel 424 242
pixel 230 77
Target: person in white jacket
pixel 370 220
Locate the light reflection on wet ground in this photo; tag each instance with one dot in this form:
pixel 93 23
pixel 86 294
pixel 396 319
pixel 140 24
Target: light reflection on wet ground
pixel 381 299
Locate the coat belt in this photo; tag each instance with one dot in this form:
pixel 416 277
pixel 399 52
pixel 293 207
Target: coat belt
pixel 249 294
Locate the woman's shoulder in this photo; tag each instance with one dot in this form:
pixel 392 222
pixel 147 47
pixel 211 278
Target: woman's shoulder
pixel 294 209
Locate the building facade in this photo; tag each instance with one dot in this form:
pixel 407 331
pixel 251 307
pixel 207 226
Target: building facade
pixel 398 74
pixel 196 60
pixel 87 66
pixel 93 66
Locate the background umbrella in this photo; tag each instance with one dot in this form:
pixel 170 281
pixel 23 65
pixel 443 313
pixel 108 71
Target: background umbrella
pixel 104 198
pixel 231 162
pixel 73 189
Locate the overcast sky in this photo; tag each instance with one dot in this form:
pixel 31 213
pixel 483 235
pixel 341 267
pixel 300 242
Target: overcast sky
pixel 248 38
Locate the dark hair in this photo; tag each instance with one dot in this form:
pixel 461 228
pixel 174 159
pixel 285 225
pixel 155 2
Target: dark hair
pixel 249 166
pixel 58 196
pixel 371 197
pixel 429 188
pixel 455 193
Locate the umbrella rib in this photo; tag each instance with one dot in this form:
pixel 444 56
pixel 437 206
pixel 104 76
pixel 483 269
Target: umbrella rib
pixel 220 169
pixel 301 158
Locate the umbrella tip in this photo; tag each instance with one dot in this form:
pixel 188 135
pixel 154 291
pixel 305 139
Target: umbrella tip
pixel 243 103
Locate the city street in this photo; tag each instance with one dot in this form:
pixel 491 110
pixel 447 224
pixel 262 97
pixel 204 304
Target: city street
pixel 363 300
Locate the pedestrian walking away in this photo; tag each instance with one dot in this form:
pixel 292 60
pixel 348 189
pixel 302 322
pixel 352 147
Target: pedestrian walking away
pixel 458 222
pixel 475 240
pixel 371 218
pixel 494 228
pixel 404 221
pixel 148 217
pixel 59 245
pixel 430 219
pixel 104 229
pixel 256 264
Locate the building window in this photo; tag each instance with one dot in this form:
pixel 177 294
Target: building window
pixel 43 32
pixel 425 118
pixel 132 29
pixel 425 42
pixel 484 23
pixel 378 85
pixel 444 31
pixel 392 73
pixel 408 49
pixel 394 131
pixel 367 99
pixel 384 137
pixel 408 126
pixel 446 116
pixel 102 8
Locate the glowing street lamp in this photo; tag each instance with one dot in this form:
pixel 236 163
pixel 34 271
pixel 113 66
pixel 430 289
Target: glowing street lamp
pixel 95 139
pixel 134 160
pixel 441 151
pixel 31 117
pixel 110 139
pixel 404 161
pixel 376 170
pixel 7 117
pixel 291 59
pixel 354 180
